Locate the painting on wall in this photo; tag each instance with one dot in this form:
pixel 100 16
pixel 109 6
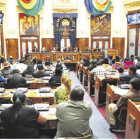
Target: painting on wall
pixel 29 25
pixel 101 25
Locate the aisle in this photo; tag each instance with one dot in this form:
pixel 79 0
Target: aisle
pixel 98 124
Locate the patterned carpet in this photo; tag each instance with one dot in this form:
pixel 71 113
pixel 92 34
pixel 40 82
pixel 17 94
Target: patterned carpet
pixel 98 124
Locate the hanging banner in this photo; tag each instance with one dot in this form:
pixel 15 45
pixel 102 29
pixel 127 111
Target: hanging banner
pixel 30 7
pixel 64 27
pixel 96 8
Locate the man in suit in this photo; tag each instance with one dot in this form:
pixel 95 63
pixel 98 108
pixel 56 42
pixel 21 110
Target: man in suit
pixel 41 72
pixel 16 80
pixel 73 116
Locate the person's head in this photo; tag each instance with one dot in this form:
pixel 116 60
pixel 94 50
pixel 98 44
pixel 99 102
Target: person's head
pixel 106 61
pixel 24 19
pixel 59 66
pixel 34 61
pixel 39 61
pixel 77 93
pixel 138 65
pixel 16 71
pixel 33 19
pixel 58 71
pixel 120 70
pixel 132 70
pixel 97 19
pixel 126 59
pixel 104 20
pixel 40 67
pixel 135 84
pixel 19 96
pixel 117 59
pixel 21 61
pixel 18 100
pixel 93 63
pixel 110 57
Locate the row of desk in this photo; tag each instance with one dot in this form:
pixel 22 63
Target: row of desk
pixel 74 56
pixel 113 93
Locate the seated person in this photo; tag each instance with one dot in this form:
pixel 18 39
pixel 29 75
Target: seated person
pixel 56 78
pixel 62 93
pixel 20 65
pixel 73 116
pixel 21 121
pixel 120 70
pixel 133 95
pixel 10 60
pixel 118 63
pixel 44 49
pixel 35 49
pixel 92 65
pixel 6 71
pixel 28 59
pixel 86 62
pixel 128 63
pixel 41 72
pixel 131 74
pixel 16 80
pixel 2 80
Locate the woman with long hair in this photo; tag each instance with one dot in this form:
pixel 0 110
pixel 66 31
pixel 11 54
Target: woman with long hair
pixel 21 121
pixel 62 93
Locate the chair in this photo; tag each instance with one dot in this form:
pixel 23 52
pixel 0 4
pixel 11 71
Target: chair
pixel 90 136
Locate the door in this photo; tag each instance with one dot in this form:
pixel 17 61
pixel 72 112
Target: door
pixel 27 45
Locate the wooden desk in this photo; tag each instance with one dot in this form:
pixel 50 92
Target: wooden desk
pixel 99 84
pixel 32 94
pixel 85 71
pixel 133 120
pixel 37 83
pixel 89 82
pixel 42 56
pixel 74 56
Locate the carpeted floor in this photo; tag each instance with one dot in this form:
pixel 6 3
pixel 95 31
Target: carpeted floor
pixel 98 124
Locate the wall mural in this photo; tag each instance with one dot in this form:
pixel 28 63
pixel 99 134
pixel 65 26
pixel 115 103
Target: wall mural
pixel 101 25
pixel 29 25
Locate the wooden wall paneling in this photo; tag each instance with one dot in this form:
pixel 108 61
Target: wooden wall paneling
pixel 119 44
pixel 12 48
pixel 48 43
pixel 2 40
pixel 82 43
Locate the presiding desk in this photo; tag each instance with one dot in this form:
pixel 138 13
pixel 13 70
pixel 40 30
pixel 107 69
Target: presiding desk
pixel 32 94
pixel 133 120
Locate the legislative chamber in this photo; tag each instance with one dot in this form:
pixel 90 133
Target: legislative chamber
pixel 70 69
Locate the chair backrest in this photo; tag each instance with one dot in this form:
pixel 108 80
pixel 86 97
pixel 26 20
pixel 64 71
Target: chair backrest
pixel 83 137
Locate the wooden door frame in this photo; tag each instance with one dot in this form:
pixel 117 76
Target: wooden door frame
pixel 101 39
pixel 26 40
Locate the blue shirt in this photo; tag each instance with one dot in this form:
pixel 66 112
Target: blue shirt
pixel 2 80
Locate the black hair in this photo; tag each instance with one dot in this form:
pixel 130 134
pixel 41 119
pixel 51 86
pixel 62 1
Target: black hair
pixel 77 93
pixel 34 61
pixel 59 66
pixel 18 100
pixel 110 57
pixel 117 59
pixel 21 61
pixel 120 70
pixel 39 61
pixel 40 67
pixel 15 71
pixel 106 61
pixel 126 59
pixel 135 82
pixel 133 69
pixel 58 71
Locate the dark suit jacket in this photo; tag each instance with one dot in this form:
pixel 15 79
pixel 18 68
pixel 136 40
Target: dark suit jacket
pixel 40 74
pixel 16 81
